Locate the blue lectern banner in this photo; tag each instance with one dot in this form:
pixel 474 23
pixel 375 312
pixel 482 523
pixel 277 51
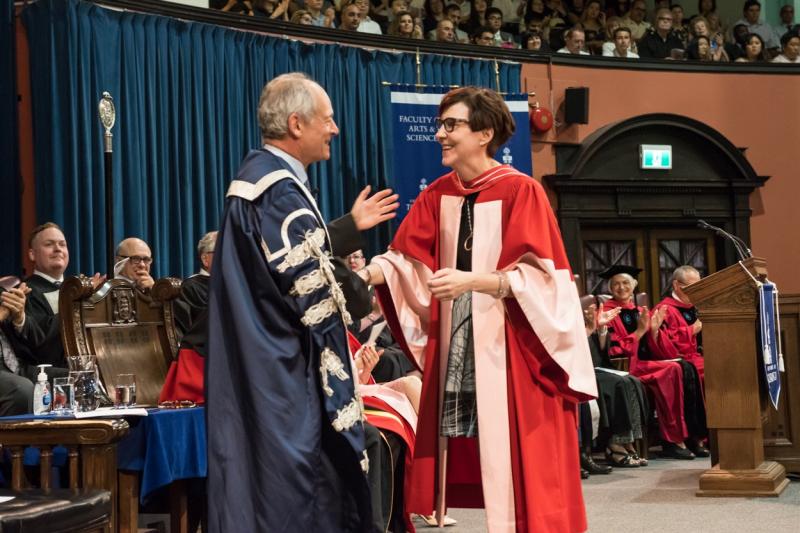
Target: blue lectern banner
pixel 418 155
pixel 770 348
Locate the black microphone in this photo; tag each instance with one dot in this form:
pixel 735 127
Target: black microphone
pixel 741 248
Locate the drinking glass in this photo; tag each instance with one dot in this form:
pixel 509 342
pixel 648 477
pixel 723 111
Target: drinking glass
pixel 63 396
pixel 125 391
pixel 87 396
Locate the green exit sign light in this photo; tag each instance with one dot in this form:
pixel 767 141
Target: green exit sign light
pixel 655 156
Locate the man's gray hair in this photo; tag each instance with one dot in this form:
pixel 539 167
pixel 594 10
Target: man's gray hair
pixel 207 243
pixel 284 95
pixel 679 274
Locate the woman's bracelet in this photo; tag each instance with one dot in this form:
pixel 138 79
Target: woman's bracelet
pixel 502 284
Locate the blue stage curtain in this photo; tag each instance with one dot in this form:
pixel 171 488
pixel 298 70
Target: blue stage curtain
pixel 186 96
pixel 10 261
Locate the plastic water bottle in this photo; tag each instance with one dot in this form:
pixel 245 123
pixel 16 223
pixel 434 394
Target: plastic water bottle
pixel 41 393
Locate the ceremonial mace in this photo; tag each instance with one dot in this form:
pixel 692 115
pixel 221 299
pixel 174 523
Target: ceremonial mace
pixel 108 114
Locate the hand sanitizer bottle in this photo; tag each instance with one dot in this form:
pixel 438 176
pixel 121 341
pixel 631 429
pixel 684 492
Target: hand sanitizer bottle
pixel 41 393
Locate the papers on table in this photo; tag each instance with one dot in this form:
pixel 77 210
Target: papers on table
pixel 111 412
pixel 4 499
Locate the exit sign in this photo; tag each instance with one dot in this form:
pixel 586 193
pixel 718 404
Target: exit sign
pixel 655 156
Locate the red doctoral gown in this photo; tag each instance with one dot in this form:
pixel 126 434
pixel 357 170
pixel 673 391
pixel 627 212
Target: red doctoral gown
pixel 531 355
pixel 680 341
pixel 663 378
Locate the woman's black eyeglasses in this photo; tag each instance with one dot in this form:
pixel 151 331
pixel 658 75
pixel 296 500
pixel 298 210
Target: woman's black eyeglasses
pixel 449 124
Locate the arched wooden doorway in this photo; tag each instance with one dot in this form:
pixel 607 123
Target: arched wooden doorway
pixel 613 211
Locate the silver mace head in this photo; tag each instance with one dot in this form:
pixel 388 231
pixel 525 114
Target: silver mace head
pixel 107 112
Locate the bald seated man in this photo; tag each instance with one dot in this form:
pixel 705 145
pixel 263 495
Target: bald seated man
pixel 133 262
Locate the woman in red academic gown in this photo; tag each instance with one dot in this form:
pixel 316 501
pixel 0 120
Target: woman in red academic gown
pixel 476 286
pixel 635 334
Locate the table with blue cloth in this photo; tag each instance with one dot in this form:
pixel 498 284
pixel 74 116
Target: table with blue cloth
pixel 162 449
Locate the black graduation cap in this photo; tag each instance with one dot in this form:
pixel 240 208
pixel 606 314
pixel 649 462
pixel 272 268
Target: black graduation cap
pixel 613 270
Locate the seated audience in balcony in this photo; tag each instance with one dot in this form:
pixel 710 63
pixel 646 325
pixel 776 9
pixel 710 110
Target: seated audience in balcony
pixel 622 400
pixel 573 42
pixel 787 23
pixel 612 23
pixel 366 24
pixel 635 20
pixel 403 26
pixel 453 14
pixel 511 19
pixel 529 10
pixel 302 16
pixel 556 9
pixel 705 7
pixel 659 42
pixel 679 27
pixel 618 8
pixel 350 17
pixel 494 19
pixel 754 50
pixel 735 49
pixel 675 385
pixel 444 32
pixel 321 17
pixel 751 18
pixel 622 45
pixel 555 34
pixel 533 41
pixel 273 9
pixel 484 36
pixel 593 22
pixel 699 28
pixel 575 10
pixel 477 16
pixel 433 13
pixel 790 45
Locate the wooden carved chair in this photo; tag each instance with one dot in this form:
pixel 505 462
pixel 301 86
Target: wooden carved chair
pixel 90 503
pixel 129 331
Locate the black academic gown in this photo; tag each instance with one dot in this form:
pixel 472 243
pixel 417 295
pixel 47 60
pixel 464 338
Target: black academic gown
pixel 44 346
pixel 191 313
pixel 285 432
pixel 616 393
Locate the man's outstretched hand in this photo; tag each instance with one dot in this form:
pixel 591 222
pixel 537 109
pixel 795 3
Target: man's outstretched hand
pixel 369 212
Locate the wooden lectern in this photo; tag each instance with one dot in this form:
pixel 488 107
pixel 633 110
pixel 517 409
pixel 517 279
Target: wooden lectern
pixel 727 302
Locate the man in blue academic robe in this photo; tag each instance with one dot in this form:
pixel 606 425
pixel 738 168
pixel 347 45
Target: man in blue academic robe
pixel 286 445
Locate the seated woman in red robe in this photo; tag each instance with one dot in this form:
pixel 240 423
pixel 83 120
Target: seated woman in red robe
pixel 675 385
pixel 476 286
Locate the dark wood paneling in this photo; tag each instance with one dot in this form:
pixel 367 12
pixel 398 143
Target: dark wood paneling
pixel 782 427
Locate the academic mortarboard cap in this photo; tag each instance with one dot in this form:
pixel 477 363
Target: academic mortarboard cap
pixel 613 270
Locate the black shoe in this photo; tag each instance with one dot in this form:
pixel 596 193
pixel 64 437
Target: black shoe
pixel 699 450
pixel 584 474
pixel 674 451
pixel 588 464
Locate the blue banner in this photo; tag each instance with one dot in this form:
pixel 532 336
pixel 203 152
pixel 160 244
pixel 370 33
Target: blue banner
pixel 417 153
pixel 770 347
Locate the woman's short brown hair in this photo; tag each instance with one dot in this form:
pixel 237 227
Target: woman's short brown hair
pixel 487 111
